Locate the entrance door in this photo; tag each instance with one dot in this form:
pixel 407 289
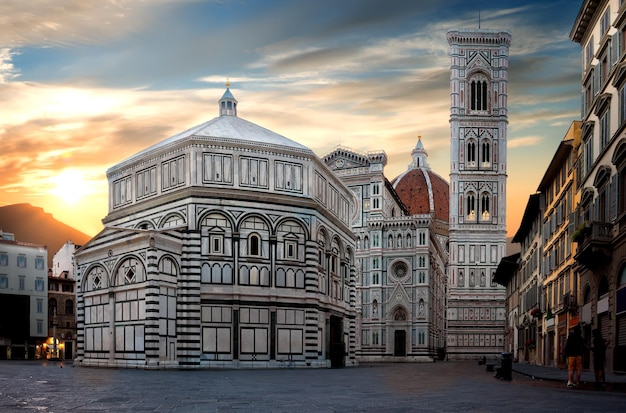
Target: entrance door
pixel 336 350
pixel 69 350
pixel 399 343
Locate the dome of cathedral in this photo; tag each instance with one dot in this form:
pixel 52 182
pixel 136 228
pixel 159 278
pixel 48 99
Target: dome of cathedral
pixel 421 190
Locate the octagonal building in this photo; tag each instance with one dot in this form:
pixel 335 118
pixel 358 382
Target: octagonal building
pixel 226 245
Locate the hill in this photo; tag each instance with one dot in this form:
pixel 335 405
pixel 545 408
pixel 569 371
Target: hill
pixel 32 224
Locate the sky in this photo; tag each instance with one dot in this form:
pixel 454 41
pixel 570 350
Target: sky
pixel 85 84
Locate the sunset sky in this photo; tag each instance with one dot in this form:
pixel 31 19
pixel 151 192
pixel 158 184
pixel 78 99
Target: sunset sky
pixel 85 84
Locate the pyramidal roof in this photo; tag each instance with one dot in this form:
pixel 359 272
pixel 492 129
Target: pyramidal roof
pixel 227 127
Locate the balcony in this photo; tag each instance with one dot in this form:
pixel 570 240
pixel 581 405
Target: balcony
pixel 594 244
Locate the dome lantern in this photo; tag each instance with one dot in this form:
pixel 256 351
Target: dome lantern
pixel 228 103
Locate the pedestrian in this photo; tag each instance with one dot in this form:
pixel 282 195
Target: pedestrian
pixel 574 349
pixel 599 356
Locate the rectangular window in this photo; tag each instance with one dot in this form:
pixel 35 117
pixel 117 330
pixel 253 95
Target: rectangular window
pixel 39 327
pixel 253 172
pixel 605 130
pixel 288 177
pixel 589 52
pixel 173 172
pixel 4 259
pixel 291 250
pixel 320 185
pixel 39 263
pixel 39 305
pixel 22 283
pixel 218 168
pixel 605 22
pixel 68 288
pixel 122 191
pixel 39 284
pixel 588 155
pixel 21 261
pixel 146 182
pixel 216 242
pixel 4 281
pixel 622 105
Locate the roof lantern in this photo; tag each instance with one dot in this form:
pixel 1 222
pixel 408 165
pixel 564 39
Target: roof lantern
pixel 420 156
pixel 228 103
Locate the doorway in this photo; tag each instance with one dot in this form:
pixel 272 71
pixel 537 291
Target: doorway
pixel 399 343
pixel 336 347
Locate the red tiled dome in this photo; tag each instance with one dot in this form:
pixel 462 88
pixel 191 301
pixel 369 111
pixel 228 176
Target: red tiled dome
pixel 423 191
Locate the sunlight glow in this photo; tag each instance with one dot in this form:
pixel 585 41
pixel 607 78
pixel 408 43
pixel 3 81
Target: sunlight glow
pixel 70 186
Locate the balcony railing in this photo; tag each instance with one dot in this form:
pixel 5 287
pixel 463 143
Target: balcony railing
pixel 594 243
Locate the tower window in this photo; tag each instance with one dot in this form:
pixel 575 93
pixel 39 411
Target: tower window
pixel 484 207
pixel 485 155
pixel 478 95
pixel 471 206
pixel 471 153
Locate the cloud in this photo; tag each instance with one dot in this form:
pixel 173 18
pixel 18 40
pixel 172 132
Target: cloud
pixel 524 141
pixel 8 71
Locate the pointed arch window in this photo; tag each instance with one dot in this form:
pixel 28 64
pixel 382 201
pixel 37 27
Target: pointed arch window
pixel 471 153
pixel 485 206
pixel 478 94
pixel 471 206
pixel 485 153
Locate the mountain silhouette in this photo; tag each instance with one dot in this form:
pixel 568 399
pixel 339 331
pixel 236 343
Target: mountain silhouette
pixel 33 225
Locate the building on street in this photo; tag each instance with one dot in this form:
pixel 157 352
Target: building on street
pixel 226 245
pixel 23 298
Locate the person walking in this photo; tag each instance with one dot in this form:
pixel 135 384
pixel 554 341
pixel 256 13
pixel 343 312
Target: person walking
pixel 599 356
pixel 574 349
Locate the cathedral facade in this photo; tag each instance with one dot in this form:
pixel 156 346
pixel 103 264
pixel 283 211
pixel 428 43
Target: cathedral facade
pixel 401 234
pixel 226 245
pixel 478 161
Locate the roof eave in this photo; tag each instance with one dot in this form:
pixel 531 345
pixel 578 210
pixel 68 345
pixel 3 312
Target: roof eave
pixel 585 15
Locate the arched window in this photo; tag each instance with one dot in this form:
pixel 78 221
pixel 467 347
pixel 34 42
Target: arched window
pixel 471 152
pixel 485 152
pixel 69 306
pixel 168 266
pixel 471 206
pixel 603 288
pixel 484 206
pixel 478 94
pixel 587 295
pixel 52 305
pixel 254 245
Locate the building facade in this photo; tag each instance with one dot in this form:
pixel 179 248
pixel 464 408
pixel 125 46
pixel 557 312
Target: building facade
pixel 61 343
pixel 401 234
pixel 558 278
pixel 23 298
pixel 226 245
pixel 600 222
pixel 478 153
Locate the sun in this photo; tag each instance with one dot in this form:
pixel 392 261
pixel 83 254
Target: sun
pixel 70 186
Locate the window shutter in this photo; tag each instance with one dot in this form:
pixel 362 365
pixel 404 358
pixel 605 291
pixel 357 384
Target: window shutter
pixel 583 104
pixel 614 196
pixel 615 48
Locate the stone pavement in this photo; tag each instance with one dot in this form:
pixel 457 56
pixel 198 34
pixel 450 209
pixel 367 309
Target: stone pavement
pixel 558 374
pixel 51 387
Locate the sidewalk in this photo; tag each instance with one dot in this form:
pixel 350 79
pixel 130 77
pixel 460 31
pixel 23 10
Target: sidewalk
pixel 557 374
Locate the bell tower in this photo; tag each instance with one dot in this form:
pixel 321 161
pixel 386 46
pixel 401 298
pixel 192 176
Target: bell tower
pixel 478 152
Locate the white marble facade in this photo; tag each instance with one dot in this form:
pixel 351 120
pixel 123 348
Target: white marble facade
pixel 400 256
pixel 226 245
pixel 478 154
